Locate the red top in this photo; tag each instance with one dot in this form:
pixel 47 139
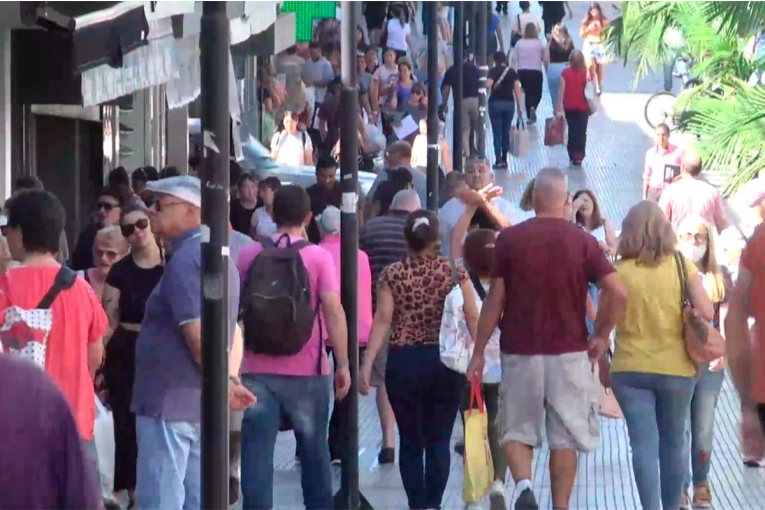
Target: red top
pixel 573 91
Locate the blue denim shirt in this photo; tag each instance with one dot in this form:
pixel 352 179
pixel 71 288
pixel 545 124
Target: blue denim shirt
pixel 168 382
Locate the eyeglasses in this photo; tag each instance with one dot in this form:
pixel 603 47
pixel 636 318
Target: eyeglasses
pixel 698 237
pixel 105 206
pixel 129 229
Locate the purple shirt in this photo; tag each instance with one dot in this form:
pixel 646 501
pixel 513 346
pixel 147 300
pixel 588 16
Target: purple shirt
pixel 42 461
pixel 168 383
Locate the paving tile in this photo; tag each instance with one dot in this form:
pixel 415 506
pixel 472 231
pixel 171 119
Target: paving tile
pixel 617 140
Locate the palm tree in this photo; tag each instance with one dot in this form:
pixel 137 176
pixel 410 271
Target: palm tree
pixel 727 111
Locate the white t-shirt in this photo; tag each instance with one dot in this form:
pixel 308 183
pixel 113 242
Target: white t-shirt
pixel 290 149
pixel 385 77
pixel 452 211
pixel 397 35
pixel 263 223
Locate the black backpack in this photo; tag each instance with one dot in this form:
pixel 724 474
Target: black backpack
pixel 276 308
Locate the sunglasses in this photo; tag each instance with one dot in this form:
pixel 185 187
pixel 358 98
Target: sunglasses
pixel 129 229
pixel 105 206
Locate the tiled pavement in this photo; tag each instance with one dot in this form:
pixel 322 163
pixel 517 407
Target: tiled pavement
pixel 618 139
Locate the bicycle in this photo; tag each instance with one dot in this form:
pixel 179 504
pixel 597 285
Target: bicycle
pixel 660 107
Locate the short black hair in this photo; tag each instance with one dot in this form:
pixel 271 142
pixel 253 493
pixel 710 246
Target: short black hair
pixel 271 182
pixel 244 177
pixel 138 175
pixel 118 177
pixel 234 172
pixel 118 192
pixel 291 206
pixel 500 57
pixel 314 45
pixel 151 173
pixel 325 163
pixel 41 218
pixel 169 171
pixel 424 234
pixel 28 182
pixel 525 6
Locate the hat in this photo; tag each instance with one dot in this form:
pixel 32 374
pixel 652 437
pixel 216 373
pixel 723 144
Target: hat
pixel 330 220
pixel 182 187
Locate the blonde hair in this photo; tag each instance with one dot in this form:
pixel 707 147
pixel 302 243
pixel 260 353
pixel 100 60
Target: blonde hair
pixel 561 35
pixel 530 31
pixel 714 278
pixel 576 60
pixel 527 199
pixel 647 235
pixel 112 235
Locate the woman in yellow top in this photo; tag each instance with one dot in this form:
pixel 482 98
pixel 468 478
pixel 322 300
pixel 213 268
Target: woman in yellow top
pixel 696 241
pixel 652 377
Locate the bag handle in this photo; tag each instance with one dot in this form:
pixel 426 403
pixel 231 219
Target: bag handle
pixel 519 124
pixel 476 397
pixel 65 279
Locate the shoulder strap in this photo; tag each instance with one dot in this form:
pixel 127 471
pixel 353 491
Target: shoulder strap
pixel 682 274
pixel 303 139
pixel 65 278
pixel 518 17
pixel 478 286
pixel 501 77
pixel 266 242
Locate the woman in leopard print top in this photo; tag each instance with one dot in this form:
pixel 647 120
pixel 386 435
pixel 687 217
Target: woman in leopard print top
pixel 424 394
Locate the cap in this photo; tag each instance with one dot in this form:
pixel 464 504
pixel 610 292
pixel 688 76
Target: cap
pixel 183 187
pixel 330 220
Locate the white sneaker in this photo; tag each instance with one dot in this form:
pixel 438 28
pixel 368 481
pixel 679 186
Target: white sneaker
pixel 497 496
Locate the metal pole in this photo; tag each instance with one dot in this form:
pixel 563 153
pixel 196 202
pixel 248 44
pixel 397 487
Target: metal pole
pixel 471 28
pixel 481 62
pixel 214 57
pixel 349 496
pixel 459 58
pixel 431 11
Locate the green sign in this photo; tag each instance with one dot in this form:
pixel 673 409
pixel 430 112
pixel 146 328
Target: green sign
pixel 306 13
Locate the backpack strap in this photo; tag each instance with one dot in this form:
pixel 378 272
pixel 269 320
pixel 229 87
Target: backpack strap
pixel 478 286
pixel 65 278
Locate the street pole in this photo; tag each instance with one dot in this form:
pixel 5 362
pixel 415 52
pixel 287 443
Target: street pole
pixel 431 11
pixel 214 58
pixel 481 61
pixel 349 497
pixel 459 58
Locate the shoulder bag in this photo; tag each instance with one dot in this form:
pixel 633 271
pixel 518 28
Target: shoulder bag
pixel 516 36
pixel 703 343
pixel 500 79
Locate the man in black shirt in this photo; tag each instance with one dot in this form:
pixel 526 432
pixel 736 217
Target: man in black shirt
pixel 245 204
pixel 324 193
pixel 468 102
pixel 553 13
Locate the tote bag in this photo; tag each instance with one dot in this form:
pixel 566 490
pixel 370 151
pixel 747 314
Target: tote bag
pixel 593 101
pixel 520 141
pixel 479 468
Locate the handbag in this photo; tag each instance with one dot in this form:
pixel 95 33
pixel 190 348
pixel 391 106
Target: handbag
pixel 555 131
pixel 609 407
pixel 703 343
pixel 516 36
pixel 478 465
pixel 520 139
pixel 593 101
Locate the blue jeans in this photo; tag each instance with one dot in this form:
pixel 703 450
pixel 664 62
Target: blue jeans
pixel 553 81
pixel 501 115
pixel 305 402
pixel 701 425
pixel 655 409
pixel 425 397
pixel 168 470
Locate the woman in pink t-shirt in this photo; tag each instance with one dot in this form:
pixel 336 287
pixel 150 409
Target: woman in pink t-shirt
pixel 530 58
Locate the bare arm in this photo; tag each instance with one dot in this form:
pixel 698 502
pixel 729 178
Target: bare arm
pixel 459 232
pixel 519 98
pixel 374 93
pixel 470 307
pixel 737 334
pixel 237 351
pixel 702 305
pixel 337 328
pixel 95 357
pixel 561 92
pixel 610 237
pixel 110 298
pixel 495 215
pixel 612 302
pixel 380 324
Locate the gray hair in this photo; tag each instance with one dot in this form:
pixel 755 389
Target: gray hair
pixel 406 200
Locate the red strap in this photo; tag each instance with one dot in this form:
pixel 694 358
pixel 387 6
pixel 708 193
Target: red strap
pixel 476 397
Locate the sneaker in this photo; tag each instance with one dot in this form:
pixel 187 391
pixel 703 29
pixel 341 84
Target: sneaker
pixel 526 501
pixel 685 501
pixel 386 456
pixel 702 496
pixel 497 496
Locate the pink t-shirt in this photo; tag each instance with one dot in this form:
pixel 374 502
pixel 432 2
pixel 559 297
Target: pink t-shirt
pixel 321 270
pixel 528 53
pixel 364 282
pixel 693 197
pixel 655 159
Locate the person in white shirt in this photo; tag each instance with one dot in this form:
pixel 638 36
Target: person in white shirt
pixel 290 146
pixel 399 33
pixel 492 211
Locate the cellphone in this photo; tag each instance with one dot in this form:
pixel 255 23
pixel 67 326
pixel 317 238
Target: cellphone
pixel 671 172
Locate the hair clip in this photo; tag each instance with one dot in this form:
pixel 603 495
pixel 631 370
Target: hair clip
pixel 420 221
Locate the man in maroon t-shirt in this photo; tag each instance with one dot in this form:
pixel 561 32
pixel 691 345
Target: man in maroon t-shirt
pixel 542 269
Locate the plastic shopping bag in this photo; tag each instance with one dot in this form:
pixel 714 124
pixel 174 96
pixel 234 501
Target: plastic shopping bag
pixel 520 141
pixel 555 131
pixel 103 440
pixel 479 469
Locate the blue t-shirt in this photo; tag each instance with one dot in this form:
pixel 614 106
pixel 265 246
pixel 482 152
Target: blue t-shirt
pixel 493 24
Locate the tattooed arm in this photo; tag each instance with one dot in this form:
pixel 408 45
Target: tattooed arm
pixel 110 300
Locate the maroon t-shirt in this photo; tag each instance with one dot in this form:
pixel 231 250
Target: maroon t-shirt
pixel 42 461
pixel 546 265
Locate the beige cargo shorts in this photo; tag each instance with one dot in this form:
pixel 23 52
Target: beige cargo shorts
pixel 555 394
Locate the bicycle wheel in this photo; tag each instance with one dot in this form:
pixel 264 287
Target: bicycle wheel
pixel 659 109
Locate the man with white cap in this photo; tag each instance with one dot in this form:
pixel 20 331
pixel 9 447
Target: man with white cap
pixel 167 392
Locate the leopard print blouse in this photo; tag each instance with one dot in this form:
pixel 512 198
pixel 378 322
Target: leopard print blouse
pixel 419 285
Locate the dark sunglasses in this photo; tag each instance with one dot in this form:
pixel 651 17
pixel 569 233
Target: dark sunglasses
pixel 129 229
pixel 105 206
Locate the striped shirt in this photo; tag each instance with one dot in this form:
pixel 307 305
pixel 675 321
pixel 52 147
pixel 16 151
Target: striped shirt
pixel 382 239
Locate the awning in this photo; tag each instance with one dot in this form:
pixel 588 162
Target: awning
pixel 276 38
pixel 93 33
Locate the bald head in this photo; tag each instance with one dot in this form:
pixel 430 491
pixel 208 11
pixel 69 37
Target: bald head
pixel 406 200
pixel 550 192
pixel 692 163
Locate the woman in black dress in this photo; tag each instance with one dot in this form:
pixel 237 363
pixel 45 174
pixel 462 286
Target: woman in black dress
pixel 128 286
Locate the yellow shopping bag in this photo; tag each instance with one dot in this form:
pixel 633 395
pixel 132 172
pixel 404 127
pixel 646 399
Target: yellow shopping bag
pixel 479 469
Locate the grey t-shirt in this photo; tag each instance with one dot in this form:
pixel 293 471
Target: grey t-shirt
pixel 168 382
pixel 319 70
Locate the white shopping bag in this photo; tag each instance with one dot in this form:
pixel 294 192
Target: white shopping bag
pixel 103 439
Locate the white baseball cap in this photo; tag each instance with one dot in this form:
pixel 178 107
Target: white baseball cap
pixel 183 187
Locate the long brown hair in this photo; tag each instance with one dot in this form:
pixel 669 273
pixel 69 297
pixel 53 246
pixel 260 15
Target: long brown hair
pixel 561 36
pixel 596 218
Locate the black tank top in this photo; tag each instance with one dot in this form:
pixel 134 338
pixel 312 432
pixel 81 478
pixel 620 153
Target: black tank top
pixel 558 53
